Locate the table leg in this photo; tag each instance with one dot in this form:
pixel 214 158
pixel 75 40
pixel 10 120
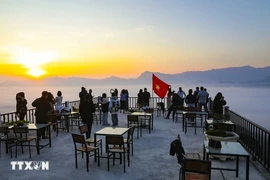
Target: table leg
pixel 50 139
pixel 183 119
pixel 141 127
pixel 138 128
pixel 99 115
pixel 203 151
pixel 95 145
pixel 152 121
pixel 247 168
pixel 149 125
pixel 195 125
pixel 68 119
pixel 38 137
pixel 237 165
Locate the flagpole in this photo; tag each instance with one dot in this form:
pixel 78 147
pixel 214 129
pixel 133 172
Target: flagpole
pixel 153 98
pixel 152 90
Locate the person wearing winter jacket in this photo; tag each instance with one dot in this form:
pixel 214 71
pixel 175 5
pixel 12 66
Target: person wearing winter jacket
pixel 105 109
pixel 21 108
pixel 113 107
pixel 86 109
pixel 219 102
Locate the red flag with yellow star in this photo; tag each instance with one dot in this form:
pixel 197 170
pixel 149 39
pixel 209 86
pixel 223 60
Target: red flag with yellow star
pixel 159 87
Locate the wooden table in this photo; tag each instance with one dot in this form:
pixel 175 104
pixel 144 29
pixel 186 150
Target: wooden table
pixel 150 119
pixel 38 128
pixel 110 131
pixel 198 113
pixel 67 116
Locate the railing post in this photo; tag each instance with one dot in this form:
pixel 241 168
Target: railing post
pixel 1 123
pixel 210 104
pixel 226 112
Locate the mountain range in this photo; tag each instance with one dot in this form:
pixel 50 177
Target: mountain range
pixel 245 75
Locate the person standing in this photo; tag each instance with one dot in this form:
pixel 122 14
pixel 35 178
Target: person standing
pixel 195 94
pixel 123 100
pixel 169 97
pixel 82 94
pixel 182 95
pixel 113 107
pixel 202 99
pixel 207 99
pixel 86 109
pixel 51 100
pixel 127 98
pixel 140 98
pixel 145 97
pixel 90 93
pixel 42 106
pixel 218 104
pixel 59 101
pixel 105 109
pixel 21 108
pixel 116 92
pixel 176 102
pixel 190 99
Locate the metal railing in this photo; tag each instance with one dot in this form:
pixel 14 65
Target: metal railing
pixel 30 114
pixel 254 138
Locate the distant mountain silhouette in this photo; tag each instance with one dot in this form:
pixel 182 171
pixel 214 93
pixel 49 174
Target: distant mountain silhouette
pixel 244 75
pixel 224 75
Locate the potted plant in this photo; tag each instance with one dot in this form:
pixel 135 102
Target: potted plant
pixel 216 116
pixel 219 132
pixel 17 123
pixel 221 135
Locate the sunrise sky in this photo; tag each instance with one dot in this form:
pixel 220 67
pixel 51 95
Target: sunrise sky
pixel 102 38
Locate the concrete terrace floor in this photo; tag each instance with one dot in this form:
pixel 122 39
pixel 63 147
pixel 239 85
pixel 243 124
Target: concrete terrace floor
pixel 151 158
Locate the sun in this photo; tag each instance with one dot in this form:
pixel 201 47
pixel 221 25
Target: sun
pixel 36 72
pixel 33 61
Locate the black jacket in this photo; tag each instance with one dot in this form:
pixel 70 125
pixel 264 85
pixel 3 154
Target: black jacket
pixel 82 95
pixel 176 100
pixel 42 107
pixel 218 106
pixel 190 99
pixel 140 98
pixel 177 148
pixel 105 107
pixel 21 106
pixel 86 110
pixel 145 97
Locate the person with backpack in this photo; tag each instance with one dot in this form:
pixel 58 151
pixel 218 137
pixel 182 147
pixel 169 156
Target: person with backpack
pixel 113 107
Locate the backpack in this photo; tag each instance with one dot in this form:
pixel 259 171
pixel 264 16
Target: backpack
pixel 115 106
